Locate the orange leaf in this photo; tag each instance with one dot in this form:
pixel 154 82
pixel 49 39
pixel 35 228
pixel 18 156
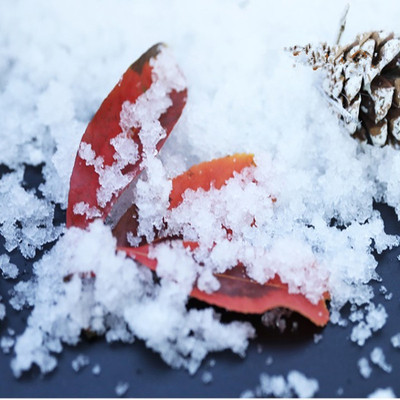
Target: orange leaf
pixel 105 126
pixel 237 291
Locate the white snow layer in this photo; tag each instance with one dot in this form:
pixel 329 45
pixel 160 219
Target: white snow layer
pixel 244 96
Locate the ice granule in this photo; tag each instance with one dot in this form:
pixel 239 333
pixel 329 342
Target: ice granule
pixel 121 388
pixel 378 358
pixel 9 270
pixel 364 367
pixel 80 362
pixel 96 370
pixel 386 393
pixel 395 340
pixel 212 363
pixel 207 377
pixel 269 360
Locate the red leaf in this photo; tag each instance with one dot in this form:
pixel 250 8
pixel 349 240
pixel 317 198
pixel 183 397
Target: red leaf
pixel 105 125
pixel 241 294
pixel 237 291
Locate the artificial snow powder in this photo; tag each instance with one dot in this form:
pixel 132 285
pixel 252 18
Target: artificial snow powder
pixel 314 193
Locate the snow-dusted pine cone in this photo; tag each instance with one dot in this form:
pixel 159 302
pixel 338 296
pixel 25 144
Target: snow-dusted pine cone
pixel 362 81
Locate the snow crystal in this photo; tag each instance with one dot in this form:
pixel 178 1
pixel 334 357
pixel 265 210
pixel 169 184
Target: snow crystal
pixel 80 362
pixel 121 388
pixel 364 367
pixel 395 340
pixel 96 370
pixel 386 393
pixel 6 344
pixel 378 358
pixel 207 377
pixel 9 270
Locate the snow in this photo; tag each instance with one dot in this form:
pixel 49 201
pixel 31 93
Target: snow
pixel 296 384
pixel 9 270
pixel 364 367
pixel 324 182
pixel 386 393
pixel 378 358
pixel 96 370
pixel 80 362
pixel 6 344
pixel 375 319
pixel 395 340
pixel 207 377
pixel 121 388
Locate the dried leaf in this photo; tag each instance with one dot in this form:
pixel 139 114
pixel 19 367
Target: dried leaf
pixel 237 291
pixel 85 185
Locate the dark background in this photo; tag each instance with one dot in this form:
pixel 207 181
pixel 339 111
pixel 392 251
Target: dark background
pixel 333 360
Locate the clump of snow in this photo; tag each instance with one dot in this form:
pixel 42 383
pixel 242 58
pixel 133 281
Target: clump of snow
pixel 378 358
pixel 108 305
pixel 96 370
pixel 2 310
pixel 296 384
pixel 6 344
pixel 80 362
pixel 27 221
pixel 386 393
pixel 375 319
pixel 317 338
pixel 207 377
pixel 395 340
pixel 9 270
pixel 364 367
pixel 121 388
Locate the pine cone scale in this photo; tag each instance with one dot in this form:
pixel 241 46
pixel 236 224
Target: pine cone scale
pixel 362 82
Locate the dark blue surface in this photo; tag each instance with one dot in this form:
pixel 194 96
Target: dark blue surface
pixel 333 361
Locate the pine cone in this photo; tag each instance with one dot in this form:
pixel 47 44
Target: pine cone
pixel 362 81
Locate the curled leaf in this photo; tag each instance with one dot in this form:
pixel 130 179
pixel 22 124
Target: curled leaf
pixel 115 142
